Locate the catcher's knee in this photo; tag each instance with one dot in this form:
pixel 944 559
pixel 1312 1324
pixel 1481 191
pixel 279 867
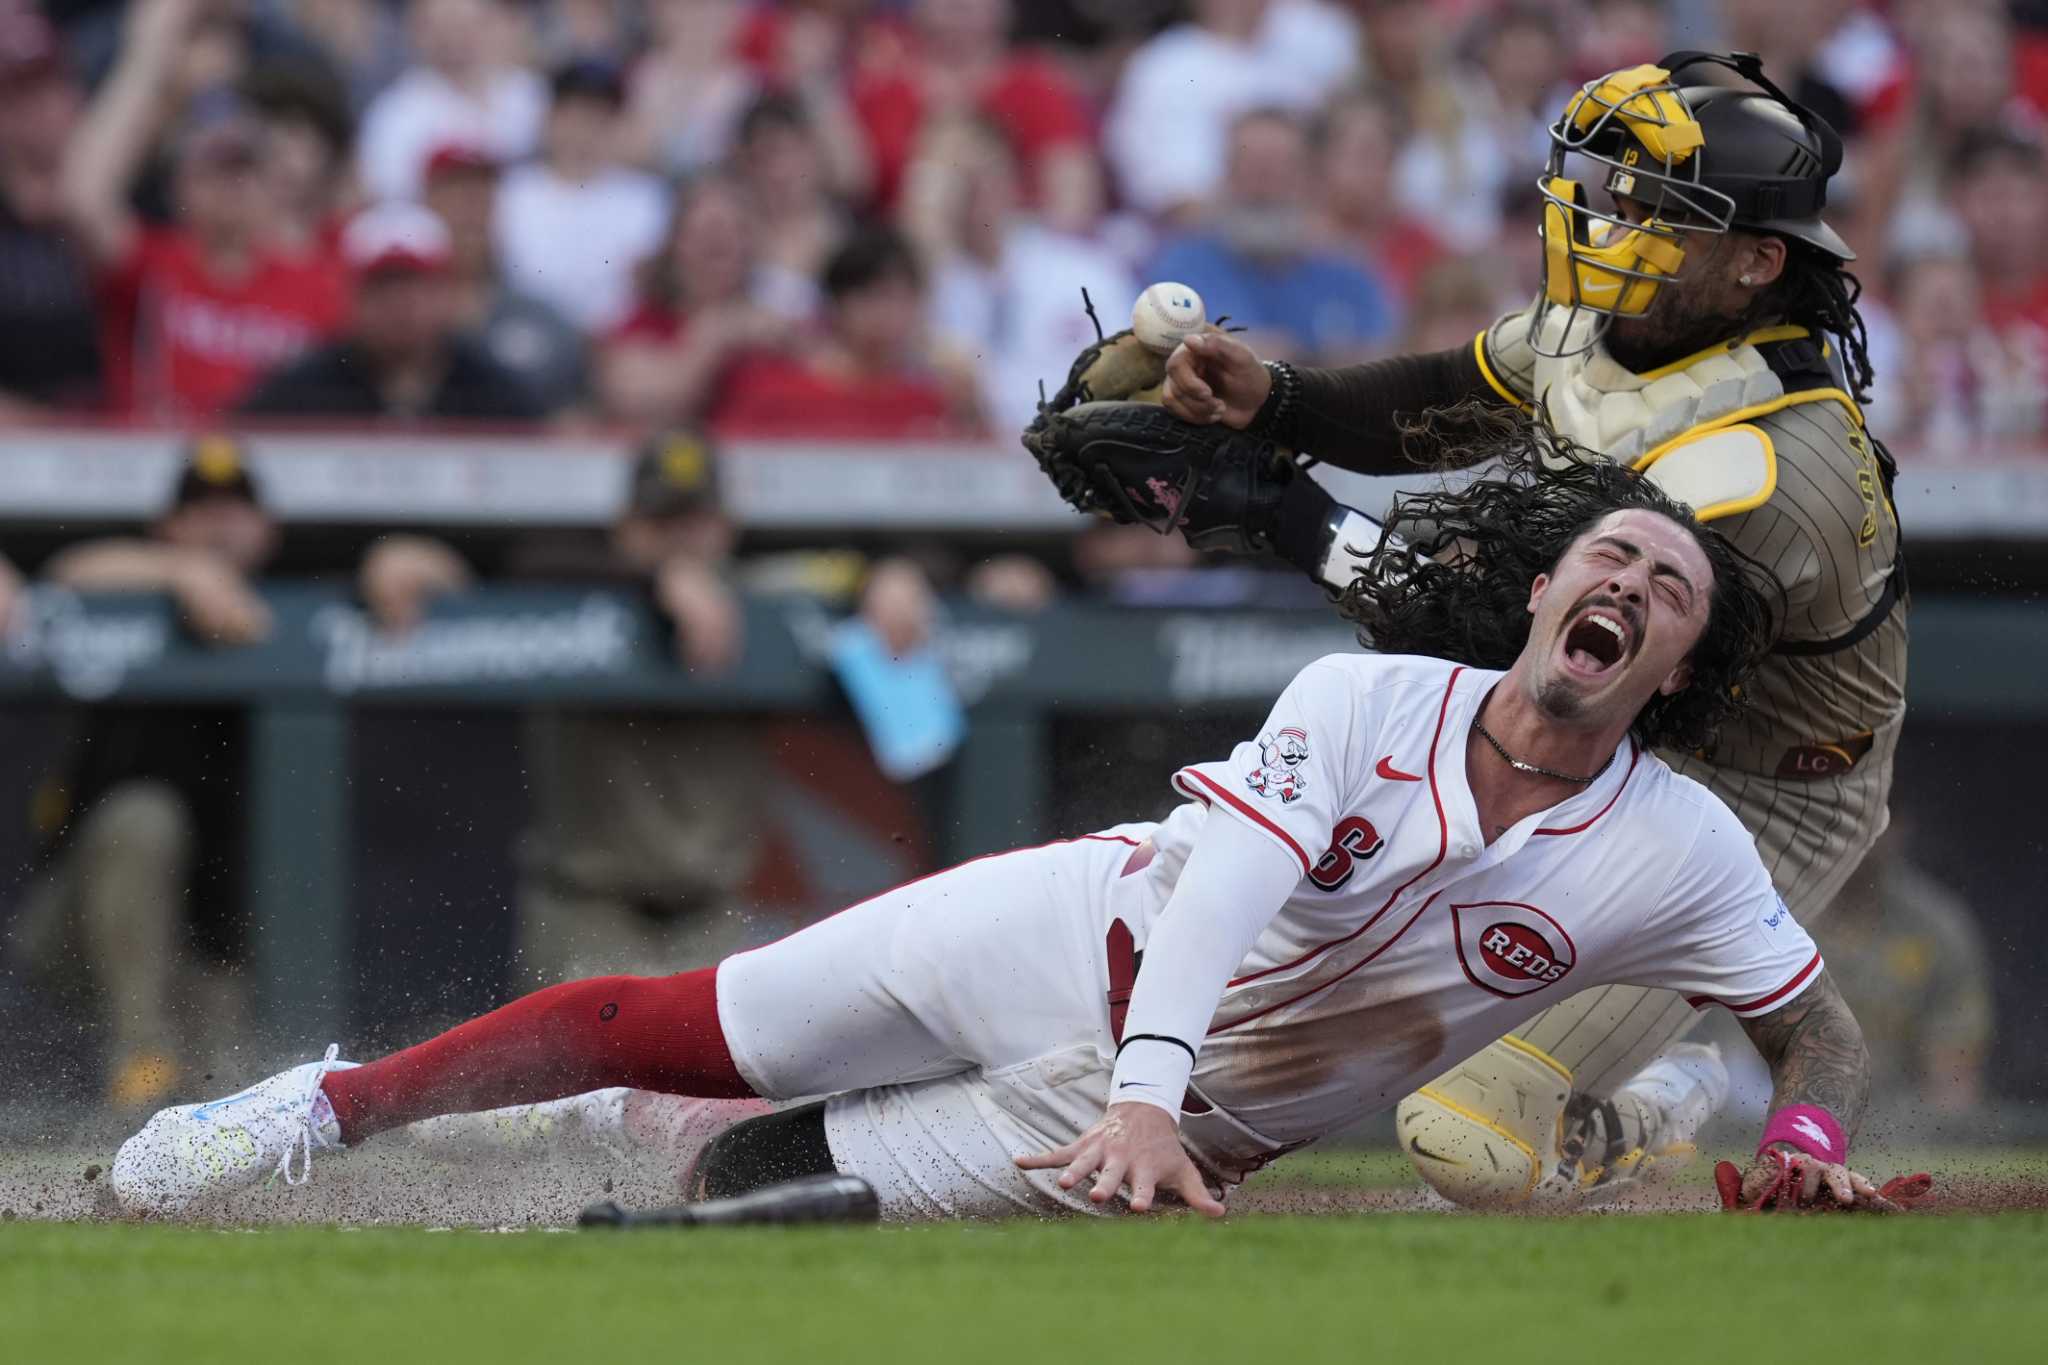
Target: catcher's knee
pixel 1487 1133
pixel 765 1150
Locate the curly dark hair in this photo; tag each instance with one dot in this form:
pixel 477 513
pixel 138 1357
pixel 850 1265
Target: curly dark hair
pixel 1460 588
pixel 1817 293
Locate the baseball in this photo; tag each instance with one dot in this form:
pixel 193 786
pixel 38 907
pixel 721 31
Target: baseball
pixel 1167 314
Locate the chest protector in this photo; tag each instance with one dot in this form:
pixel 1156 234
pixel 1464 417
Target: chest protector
pixel 1683 424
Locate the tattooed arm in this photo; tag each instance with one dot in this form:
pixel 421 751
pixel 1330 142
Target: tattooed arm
pixel 1814 1048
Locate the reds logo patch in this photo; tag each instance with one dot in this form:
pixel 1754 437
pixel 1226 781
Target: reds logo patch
pixel 1280 758
pixel 1509 948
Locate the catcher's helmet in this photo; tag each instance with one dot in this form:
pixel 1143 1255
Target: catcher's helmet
pixel 1700 158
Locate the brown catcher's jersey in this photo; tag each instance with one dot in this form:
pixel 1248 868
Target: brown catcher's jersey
pixel 1759 437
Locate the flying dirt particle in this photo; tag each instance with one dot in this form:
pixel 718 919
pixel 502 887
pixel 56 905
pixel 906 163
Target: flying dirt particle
pixel 92 1173
pixel 6 1215
pixel 607 1184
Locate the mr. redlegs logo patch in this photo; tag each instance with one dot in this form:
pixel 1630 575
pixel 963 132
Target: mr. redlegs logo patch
pixel 1509 948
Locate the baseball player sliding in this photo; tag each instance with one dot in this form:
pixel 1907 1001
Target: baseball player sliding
pixel 1697 325
pixel 1154 1011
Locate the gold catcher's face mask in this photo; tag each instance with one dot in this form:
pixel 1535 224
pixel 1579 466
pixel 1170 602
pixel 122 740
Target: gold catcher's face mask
pixel 1634 127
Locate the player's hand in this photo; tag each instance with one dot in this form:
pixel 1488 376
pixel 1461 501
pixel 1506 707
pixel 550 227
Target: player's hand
pixel 709 627
pixel 401 574
pixel 1136 1145
pixel 1214 377
pixel 218 602
pixel 1784 1178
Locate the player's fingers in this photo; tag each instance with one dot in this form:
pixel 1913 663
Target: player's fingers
pixel 1087 1160
pixel 1809 1181
pixel 1143 1189
pixel 1040 1161
pixel 1186 393
pixel 1869 1196
pixel 1188 1184
pixel 1839 1186
pixel 1109 1180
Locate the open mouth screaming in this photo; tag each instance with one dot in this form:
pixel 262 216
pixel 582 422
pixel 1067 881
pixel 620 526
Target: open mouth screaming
pixel 1598 640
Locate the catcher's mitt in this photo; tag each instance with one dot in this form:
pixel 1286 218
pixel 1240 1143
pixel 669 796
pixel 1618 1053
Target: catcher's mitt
pixel 1111 449
pixel 1900 1193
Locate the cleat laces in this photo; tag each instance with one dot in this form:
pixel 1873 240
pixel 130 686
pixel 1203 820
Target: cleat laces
pixel 299 1150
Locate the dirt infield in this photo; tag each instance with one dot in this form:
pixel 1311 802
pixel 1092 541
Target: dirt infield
pixel 1964 1192
pixel 399 1185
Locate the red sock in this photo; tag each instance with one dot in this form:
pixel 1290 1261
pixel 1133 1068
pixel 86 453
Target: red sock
pixel 648 1032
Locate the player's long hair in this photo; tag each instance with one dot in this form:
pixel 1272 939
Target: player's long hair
pixel 1485 543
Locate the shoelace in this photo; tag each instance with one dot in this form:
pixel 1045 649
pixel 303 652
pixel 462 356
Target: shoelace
pixel 303 1136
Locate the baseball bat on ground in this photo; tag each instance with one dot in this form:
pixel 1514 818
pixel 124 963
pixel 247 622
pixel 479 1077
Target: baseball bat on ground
pixel 813 1199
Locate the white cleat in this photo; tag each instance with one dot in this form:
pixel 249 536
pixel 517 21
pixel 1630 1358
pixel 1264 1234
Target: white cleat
pixel 266 1131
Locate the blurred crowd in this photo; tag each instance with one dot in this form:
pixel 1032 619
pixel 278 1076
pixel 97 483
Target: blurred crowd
pixel 874 218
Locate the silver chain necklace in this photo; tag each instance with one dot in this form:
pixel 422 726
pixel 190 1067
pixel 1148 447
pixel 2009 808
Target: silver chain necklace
pixel 1522 767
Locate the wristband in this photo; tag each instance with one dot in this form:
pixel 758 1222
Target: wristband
pixel 1275 418
pixel 1811 1129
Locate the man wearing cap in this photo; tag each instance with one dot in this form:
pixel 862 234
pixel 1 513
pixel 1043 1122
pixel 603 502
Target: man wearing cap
pixel 143 827
pixel 575 225
pixel 191 312
pixel 403 354
pixel 525 334
pixel 49 341
pixel 645 823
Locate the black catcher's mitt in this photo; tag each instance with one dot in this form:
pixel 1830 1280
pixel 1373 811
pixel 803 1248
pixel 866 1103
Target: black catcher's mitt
pixel 1112 450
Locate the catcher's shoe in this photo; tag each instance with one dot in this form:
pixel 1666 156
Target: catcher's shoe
pixel 1646 1130
pixel 266 1131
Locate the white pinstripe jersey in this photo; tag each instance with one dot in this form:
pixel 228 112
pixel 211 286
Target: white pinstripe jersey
pixel 1410 941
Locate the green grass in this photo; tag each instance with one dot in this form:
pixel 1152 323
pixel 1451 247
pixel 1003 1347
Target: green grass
pixel 1409 1288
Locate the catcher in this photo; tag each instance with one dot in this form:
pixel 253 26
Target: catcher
pixel 1697 325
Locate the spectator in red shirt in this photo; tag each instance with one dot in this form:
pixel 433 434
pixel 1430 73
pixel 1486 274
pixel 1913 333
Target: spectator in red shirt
pixel 956 60
pixel 873 374
pixel 696 316
pixel 192 312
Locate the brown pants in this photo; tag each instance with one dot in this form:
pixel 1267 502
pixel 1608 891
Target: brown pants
pixel 110 916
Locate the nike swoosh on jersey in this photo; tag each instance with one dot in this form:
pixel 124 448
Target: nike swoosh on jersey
pixel 1385 768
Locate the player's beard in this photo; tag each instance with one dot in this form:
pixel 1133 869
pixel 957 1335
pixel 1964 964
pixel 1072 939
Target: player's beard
pixel 1679 322
pixel 1668 332
pixel 1560 700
